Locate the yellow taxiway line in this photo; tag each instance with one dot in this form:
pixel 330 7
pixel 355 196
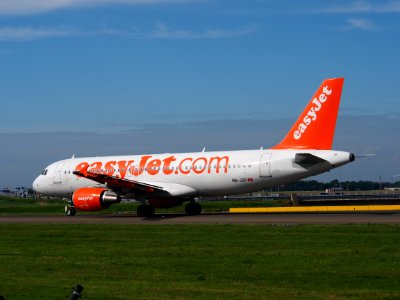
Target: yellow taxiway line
pixel 300 209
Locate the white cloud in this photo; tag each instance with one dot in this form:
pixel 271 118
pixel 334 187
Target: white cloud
pixel 31 33
pixel 161 32
pixel 362 6
pixel 15 7
pixel 361 24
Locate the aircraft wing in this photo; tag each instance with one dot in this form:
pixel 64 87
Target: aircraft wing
pixel 114 182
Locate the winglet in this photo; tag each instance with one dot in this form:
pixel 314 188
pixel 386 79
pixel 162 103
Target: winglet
pixel 315 128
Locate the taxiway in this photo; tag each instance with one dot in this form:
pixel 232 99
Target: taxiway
pixel 213 218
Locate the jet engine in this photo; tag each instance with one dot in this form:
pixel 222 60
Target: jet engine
pixel 94 199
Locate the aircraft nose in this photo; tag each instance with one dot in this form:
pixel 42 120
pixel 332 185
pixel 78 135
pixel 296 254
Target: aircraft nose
pixel 36 185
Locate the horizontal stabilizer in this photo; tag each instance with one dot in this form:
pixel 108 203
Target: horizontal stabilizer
pixel 307 159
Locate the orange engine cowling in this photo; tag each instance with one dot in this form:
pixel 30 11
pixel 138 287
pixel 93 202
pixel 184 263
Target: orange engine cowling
pixel 94 199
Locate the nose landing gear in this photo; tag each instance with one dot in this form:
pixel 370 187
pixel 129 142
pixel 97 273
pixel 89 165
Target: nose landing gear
pixel 70 209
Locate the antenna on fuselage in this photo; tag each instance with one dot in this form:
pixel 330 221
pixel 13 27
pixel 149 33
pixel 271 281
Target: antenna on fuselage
pixel 204 149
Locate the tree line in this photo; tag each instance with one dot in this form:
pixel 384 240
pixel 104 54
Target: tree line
pixel 313 185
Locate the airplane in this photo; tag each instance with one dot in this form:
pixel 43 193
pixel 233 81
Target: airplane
pixel 168 180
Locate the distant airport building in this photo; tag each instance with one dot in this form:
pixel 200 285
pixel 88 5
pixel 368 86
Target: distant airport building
pixel 392 189
pixel 16 192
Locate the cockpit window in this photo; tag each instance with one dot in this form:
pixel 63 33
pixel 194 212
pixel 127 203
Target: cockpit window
pixel 44 172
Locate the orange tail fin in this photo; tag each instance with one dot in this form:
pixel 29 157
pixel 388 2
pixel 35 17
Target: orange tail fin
pixel 315 128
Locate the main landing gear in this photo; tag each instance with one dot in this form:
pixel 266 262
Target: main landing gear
pixel 193 208
pixel 145 210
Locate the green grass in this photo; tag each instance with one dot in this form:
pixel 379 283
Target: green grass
pixel 200 261
pixel 12 205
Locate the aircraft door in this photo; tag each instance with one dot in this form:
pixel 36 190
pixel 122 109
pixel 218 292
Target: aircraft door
pixel 58 172
pixel 265 165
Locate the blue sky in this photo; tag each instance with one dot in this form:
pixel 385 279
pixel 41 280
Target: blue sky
pixel 133 76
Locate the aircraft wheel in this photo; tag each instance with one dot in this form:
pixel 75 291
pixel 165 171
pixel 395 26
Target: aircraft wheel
pixel 140 210
pixel 149 211
pixel 70 211
pixel 193 209
pixel 145 211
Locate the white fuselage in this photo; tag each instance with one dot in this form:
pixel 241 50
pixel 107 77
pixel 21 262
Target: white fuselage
pixel 192 174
